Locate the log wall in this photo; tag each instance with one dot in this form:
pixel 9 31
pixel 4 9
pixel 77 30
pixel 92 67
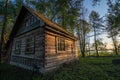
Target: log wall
pixel 55 58
pixel 27 61
pixel 46 54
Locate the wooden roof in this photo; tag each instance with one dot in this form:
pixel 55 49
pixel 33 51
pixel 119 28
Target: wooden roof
pixel 47 21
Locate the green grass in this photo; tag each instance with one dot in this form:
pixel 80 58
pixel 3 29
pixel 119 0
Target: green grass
pixel 89 68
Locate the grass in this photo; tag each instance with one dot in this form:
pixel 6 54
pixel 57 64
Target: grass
pixel 89 68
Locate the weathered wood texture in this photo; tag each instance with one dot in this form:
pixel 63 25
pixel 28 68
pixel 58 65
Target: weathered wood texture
pixel 55 58
pixel 28 60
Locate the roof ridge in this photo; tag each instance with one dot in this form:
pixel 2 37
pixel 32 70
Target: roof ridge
pixel 48 21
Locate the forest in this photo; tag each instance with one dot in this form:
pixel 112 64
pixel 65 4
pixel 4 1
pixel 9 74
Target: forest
pixel 71 15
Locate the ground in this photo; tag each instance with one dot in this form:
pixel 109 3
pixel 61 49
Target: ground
pixel 89 68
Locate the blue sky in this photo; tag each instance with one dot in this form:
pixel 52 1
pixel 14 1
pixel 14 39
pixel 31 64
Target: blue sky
pixel 101 8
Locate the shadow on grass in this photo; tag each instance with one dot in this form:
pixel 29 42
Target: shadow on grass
pixel 89 68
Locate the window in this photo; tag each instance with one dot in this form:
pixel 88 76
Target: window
pixel 17 47
pixel 29 46
pixel 32 19
pixel 71 48
pixel 61 44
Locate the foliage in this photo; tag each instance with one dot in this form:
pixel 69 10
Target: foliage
pixel 9 11
pixel 95 2
pixel 100 44
pixel 12 12
pixel 113 14
pixel 113 17
pixel 66 16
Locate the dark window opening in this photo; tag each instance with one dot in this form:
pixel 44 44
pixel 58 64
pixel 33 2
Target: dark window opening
pixel 18 47
pixel 29 46
pixel 72 48
pixel 61 44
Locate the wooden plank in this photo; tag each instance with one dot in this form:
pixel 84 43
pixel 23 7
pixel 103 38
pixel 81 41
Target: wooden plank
pixel 50 68
pixel 56 56
pixel 57 60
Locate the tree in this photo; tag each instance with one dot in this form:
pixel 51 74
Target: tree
pixel 119 48
pixel 3 28
pixel 100 44
pixel 113 22
pixel 114 11
pixel 82 30
pixel 95 2
pixel 9 10
pixel 96 24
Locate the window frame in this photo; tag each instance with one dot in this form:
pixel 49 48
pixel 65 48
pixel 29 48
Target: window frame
pixel 17 50
pixel 30 45
pixel 61 45
pixel 72 48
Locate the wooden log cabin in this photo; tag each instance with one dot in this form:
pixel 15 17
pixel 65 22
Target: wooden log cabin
pixel 37 41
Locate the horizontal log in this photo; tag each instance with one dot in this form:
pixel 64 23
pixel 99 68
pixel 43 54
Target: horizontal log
pixel 50 68
pixel 49 46
pixel 59 59
pixel 49 50
pixel 56 59
pixel 56 56
pixel 57 64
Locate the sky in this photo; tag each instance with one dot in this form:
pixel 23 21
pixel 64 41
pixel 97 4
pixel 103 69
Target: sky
pixel 101 8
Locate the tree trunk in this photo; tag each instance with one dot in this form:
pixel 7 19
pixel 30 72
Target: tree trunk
pixel 83 26
pixel 115 44
pixel 3 30
pixel 96 47
pixel 80 42
pixel 89 48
